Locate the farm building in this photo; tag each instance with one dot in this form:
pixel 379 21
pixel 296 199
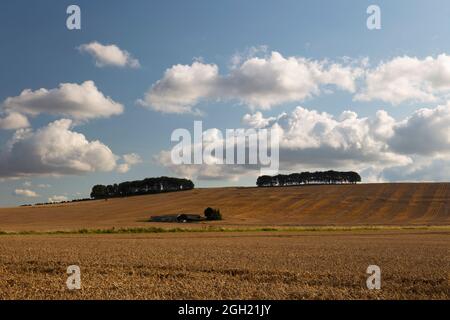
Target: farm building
pixel 183 217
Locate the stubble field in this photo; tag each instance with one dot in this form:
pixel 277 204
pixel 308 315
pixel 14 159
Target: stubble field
pixel 324 205
pixel 411 244
pixel 228 265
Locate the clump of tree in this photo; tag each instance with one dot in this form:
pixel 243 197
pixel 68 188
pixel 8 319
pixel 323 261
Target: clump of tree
pixel 139 187
pixel 212 214
pixel 318 177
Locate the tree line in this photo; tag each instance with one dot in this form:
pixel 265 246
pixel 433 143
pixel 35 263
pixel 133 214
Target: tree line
pixel 50 203
pixel 318 177
pixel 138 187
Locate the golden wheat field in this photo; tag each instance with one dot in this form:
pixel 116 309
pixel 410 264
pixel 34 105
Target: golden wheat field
pixel 254 265
pixel 319 246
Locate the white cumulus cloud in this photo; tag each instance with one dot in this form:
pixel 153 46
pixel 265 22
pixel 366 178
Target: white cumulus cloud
pixel 13 121
pixel 256 82
pixel 129 160
pixel 425 132
pixel 407 79
pixel 77 101
pixel 182 87
pixel 54 150
pixel 109 55
pixel 257 120
pixel 25 193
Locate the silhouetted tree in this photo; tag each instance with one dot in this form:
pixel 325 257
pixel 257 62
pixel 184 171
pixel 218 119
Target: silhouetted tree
pixel 212 214
pixel 146 186
pixel 264 181
pixel 318 177
pixel 99 191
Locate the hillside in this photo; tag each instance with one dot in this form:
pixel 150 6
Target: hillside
pixel 364 204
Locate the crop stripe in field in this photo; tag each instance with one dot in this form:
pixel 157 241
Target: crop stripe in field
pixel 220 229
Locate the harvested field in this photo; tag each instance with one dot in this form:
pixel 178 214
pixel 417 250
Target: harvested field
pixel 139 260
pixel 234 265
pixel 342 205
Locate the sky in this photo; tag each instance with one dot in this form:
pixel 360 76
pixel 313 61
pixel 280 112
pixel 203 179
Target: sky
pixel 98 105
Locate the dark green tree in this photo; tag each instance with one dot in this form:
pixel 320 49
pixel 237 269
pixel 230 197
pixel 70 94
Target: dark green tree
pixel 212 214
pixel 137 187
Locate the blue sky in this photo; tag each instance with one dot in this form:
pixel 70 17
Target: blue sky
pixel 38 51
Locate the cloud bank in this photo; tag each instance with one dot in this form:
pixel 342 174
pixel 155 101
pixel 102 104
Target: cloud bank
pixel 272 80
pixel 256 82
pixel 380 147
